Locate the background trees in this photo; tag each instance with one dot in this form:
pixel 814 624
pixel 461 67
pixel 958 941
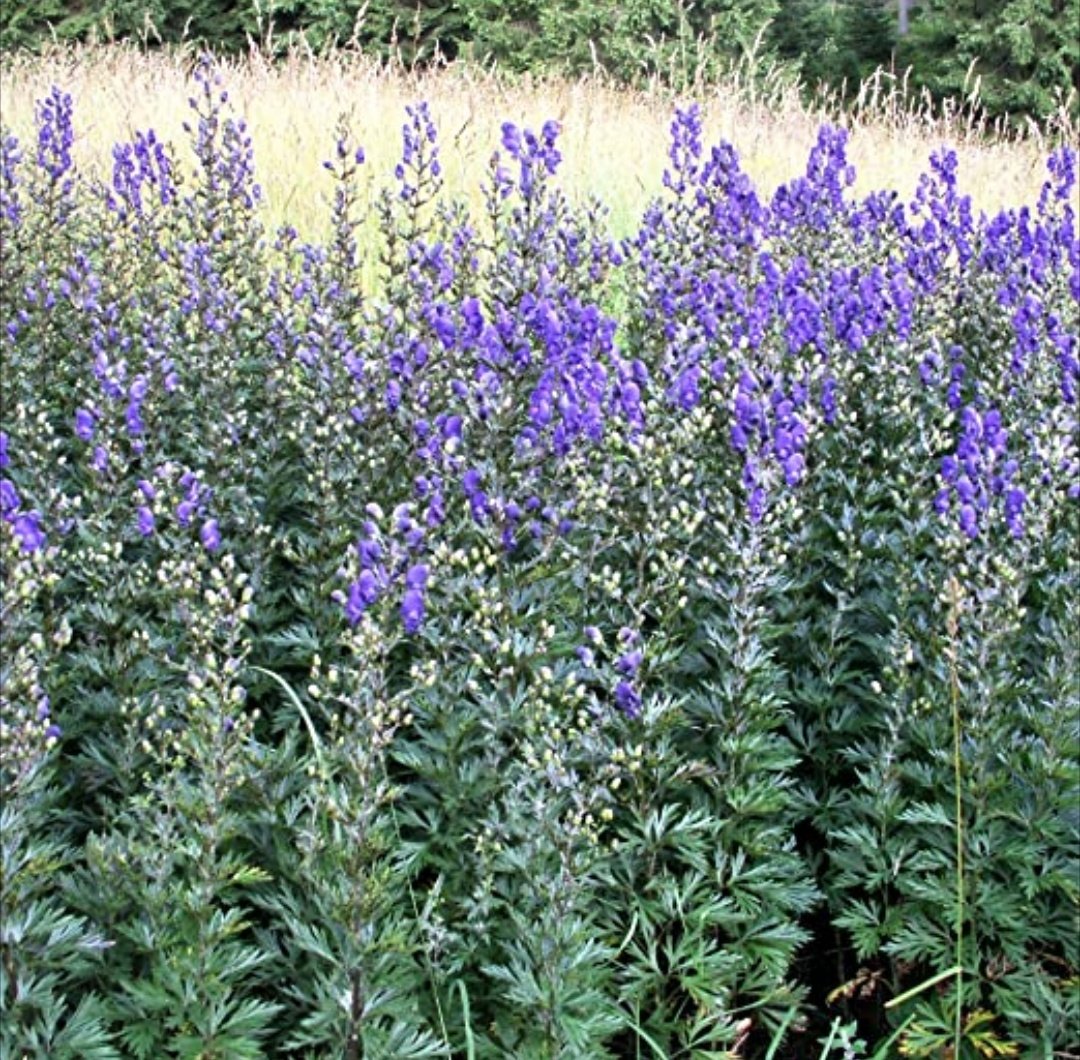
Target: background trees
pixel 1024 55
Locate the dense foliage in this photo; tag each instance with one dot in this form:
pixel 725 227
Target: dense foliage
pixel 1023 55
pixel 569 649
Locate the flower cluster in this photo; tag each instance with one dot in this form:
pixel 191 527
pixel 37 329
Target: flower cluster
pixel 979 471
pixel 385 559
pixel 56 136
pixel 26 524
pixel 139 167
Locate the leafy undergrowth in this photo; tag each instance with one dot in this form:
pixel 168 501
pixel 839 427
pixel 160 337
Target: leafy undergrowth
pixel 570 648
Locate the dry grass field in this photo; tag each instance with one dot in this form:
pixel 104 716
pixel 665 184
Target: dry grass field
pixel 614 139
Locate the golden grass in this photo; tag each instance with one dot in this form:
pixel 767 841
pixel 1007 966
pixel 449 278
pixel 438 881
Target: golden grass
pixel 614 139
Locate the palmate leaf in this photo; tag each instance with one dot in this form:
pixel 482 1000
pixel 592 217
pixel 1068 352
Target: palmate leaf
pixel 869 923
pixel 84 1035
pixel 921 939
pixel 404 1042
pixel 932 1031
pixel 236 1028
pixel 141 1036
pixel 57 1033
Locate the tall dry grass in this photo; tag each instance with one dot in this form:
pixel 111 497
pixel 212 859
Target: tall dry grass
pixel 614 139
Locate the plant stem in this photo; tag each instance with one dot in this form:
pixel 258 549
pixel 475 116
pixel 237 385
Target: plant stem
pixel 955 602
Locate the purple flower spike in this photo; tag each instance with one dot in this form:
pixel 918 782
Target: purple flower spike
pixel 210 535
pixel 629 663
pixel 4 458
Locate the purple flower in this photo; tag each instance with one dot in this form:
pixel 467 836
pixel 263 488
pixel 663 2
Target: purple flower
pixel 540 409
pixel 146 521
pixel 756 504
pixel 452 428
pixel 828 400
pixel 629 663
pixel 965 490
pixel 185 511
pixel 362 594
pixel 370 552
pixel 53 732
pixel 367 587
pixel 793 466
pixel 28 530
pixel 478 505
pixel 9 498
pixel 416 577
pixel 134 420
pixel 101 459
pixel 4 458
pixel 511 139
pixel 210 535
pixel 412 610
pixel 627 698
pixel 1015 500
pixel 84 424
pixel 470 482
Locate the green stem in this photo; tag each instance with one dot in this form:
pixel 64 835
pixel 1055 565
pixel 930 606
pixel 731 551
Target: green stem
pixel 954 683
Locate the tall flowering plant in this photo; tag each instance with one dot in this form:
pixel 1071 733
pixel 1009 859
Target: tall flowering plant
pixel 489 638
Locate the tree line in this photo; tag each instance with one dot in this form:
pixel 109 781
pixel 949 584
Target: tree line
pixel 1024 55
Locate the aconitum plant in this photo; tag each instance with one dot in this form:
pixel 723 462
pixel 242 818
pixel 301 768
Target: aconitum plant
pixel 492 638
